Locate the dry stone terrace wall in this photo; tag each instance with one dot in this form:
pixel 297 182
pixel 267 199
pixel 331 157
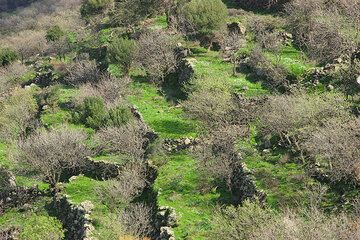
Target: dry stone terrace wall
pixel 75 218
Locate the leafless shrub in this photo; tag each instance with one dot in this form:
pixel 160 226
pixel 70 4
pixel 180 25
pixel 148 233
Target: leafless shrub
pixel 157 54
pixel 16 114
pixel 253 222
pixel 128 139
pixel 293 117
pixel 10 75
pixel 338 144
pixel 27 43
pixel 217 155
pixel 54 152
pixel 323 30
pixel 275 74
pixel 82 71
pixel 111 89
pixel 137 220
pixel 122 190
pixel 209 102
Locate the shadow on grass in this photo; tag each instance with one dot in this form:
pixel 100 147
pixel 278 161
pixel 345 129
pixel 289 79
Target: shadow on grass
pixel 174 127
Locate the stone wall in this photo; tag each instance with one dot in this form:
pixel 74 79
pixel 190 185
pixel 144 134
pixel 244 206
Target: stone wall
pixel 243 186
pixel 75 218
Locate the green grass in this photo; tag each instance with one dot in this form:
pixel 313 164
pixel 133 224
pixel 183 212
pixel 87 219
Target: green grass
pixel 33 224
pixel 209 65
pixel 164 118
pixel 119 159
pixel 58 117
pixel 178 187
pixel 294 61
pixel 160 22
pixel 85 189
pixel 285 183
pixel 4 160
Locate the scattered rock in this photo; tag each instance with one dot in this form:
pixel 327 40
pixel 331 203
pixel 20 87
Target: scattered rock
pixel 245 88
pixel 330 87
pixel 166 233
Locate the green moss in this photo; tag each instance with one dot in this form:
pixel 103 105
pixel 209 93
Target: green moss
pixel 161 116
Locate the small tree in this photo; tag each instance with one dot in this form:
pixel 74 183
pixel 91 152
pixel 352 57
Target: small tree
pixel 80 72
pixel 7 56
pixel 127 139
pixel 129 13
pixel 54 34
pixel 54 152
pixel 157 54
pixel 206 16
pixel 122 51
pixel 92 113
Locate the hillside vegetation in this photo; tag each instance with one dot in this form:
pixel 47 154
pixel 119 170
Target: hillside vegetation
pixel 180 119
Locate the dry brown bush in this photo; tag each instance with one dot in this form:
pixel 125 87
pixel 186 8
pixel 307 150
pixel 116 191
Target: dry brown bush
pixel 82 71
pixel 128 139
pixel 17 112
pixel 112 90
pixel 325 30
pixel 251 222
pixel 120 191
pixel 156 54
pixel 27 43
pixel 338 144
pixel 293 117
pixel 137 220
pixel 216 153
pixel 54 152
pixel 10 76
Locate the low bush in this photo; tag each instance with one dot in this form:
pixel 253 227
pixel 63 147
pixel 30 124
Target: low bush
pixel 7 56
pixel 17 113
pixel 92 112
pixel 127 139
pixel 119 116
pixel 54 34
pixel 83 71
pixel 252 222
pixel 51 153
pixel 122 51
pixel 91 7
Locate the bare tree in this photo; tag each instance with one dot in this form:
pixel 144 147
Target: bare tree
pixel 127 139
pixel 119 192
pixel 82 71
pixel 10 76
pixel 157 54
pixel 208 102
pixel 111 89
pixel 54 152
pixel 137 220
pixel 217 155
pixel 337 143
pixel 293 117
pixel 16 114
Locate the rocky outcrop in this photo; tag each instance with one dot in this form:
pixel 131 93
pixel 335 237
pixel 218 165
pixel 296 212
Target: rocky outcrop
pixel 75 218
